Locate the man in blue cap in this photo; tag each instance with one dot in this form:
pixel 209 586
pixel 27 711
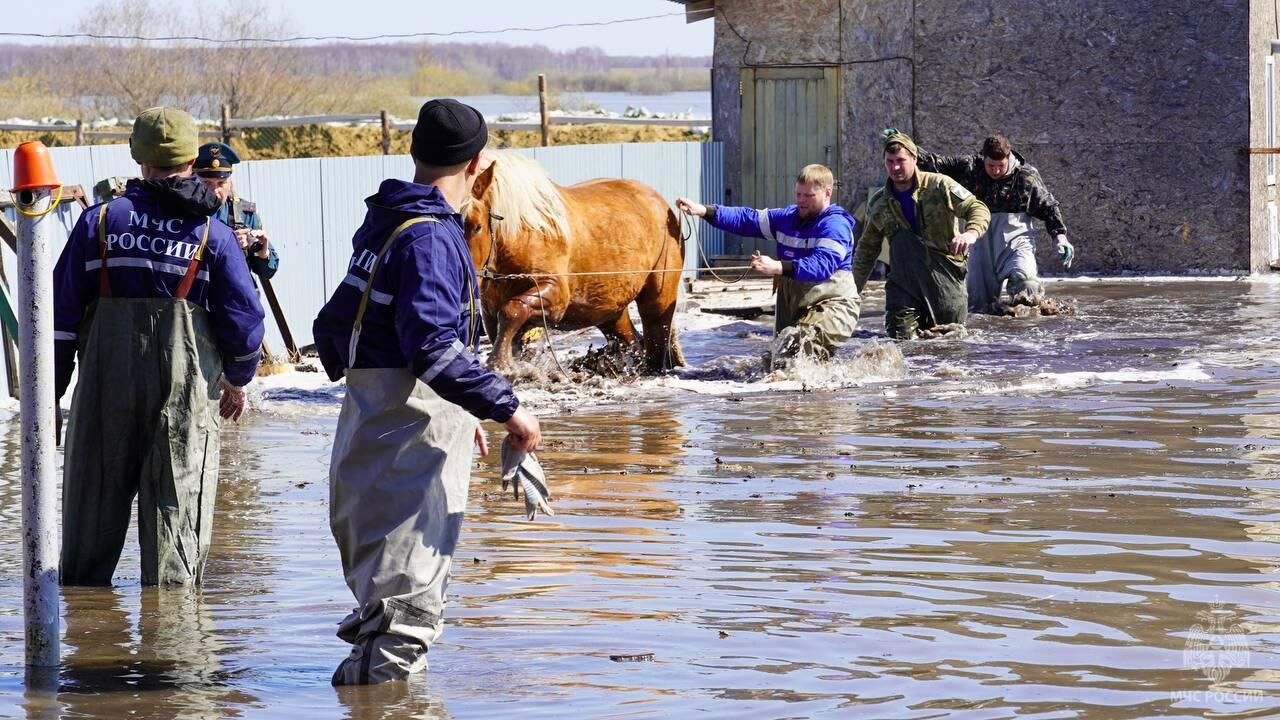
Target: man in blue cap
pixel 214 165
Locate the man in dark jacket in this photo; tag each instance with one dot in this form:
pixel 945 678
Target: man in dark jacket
pixel 215 165
pixel 403 328
pixel 154 295
pixel 1004 257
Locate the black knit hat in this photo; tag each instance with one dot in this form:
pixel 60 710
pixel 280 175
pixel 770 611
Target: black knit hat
pixel 448 133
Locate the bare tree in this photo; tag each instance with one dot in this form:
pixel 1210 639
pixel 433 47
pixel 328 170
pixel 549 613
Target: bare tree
pixel 126 76
pixel 255 78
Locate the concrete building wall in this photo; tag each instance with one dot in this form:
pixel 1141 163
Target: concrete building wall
pixel 1137 114
pixel 1264 25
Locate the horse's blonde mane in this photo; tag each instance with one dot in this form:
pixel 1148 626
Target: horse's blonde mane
pixel 524 196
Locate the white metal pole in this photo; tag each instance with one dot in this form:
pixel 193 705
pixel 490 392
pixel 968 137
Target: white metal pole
pixel 39 491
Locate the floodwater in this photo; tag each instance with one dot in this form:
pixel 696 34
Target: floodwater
pixel 1069 517
pixel 695 103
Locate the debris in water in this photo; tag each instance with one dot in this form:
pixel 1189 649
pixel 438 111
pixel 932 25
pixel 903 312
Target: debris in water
pixel 613 360
pixel 734 467
pixel 940 331
pixel 639 657
pixel 1026 305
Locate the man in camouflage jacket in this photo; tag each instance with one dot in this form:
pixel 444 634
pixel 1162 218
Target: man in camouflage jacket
pixel 917 213
pixel 1015 193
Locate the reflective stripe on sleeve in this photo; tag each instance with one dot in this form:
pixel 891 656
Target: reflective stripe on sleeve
pixel 456 349
pixel 762 217
pixel 359 283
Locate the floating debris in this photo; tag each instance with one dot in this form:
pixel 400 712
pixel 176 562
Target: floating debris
pixel 613 360
pixel 639 657
pixel 1026 305
pixel 941 331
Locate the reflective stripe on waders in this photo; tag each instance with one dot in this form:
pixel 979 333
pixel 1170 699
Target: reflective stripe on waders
pixel 184 287
pixel 368 288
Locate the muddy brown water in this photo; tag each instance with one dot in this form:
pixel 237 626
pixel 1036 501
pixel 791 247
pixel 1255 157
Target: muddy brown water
pixel 1071 517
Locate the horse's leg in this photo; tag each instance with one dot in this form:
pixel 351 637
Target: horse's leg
pixel 545 302
pixel 657 305
pixel 620 329
pixel 490 321
pixel 511 317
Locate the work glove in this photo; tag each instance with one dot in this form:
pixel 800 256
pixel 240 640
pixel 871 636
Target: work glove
pixel 523 471
pixel 1066 250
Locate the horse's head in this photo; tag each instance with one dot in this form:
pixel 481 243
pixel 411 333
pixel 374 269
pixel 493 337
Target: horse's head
pixel 515 216
pixel 478 221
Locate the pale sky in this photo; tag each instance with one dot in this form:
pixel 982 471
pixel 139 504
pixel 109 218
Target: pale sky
pixel 373 17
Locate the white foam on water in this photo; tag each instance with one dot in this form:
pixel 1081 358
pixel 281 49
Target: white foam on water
pixel 1050 382
pixel 696 319
pixel 874 362
pixel 295 393
pixel 1189 372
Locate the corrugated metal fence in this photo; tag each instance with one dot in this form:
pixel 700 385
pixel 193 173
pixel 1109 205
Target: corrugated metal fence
pixel 311 207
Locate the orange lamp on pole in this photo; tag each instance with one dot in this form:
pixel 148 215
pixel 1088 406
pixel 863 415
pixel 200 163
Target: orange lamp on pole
pixel 33 168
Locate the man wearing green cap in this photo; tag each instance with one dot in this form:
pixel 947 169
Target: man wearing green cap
pixel 916 213
pixel 154 296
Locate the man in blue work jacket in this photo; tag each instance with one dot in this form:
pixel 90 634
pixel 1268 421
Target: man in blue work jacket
pixel 817 306
pixel 403 327
pixel 153 294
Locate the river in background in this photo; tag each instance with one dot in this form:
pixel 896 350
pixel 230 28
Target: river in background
pixel 1067 517
pixel 694 104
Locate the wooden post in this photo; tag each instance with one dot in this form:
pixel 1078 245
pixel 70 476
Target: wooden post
pixel 10 343
pixel 226 123
pixel 386 134
pixel 289 345
pixel 79 132
pixel 542 109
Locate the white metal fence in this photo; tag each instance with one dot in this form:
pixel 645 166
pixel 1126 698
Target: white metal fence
pixel 311 207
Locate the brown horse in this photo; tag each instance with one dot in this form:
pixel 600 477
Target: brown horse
pixel 545 254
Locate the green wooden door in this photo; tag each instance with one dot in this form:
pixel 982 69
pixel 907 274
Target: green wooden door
pixel 790 119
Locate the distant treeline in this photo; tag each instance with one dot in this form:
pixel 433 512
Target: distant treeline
pixel 120 79
pixel 504 62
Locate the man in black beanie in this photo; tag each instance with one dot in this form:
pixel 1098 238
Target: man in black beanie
pixel 403 329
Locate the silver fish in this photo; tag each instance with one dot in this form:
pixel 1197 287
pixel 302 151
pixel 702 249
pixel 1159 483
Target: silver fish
pixel 522 471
